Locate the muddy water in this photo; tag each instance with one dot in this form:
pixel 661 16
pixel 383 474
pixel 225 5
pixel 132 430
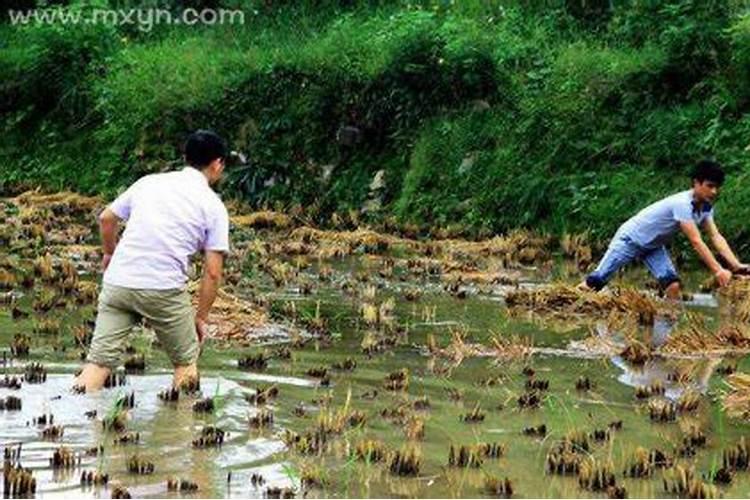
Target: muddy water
pixel 167 429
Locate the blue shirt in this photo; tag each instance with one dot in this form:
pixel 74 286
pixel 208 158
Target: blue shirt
pixel 654 226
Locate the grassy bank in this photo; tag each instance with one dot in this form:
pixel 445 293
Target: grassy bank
pixel 484 114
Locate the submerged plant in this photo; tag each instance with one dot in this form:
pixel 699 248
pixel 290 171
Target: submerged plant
pixel 262 419
pixel 682 481
pixel 689 401
pixel 474 416
pixel 405 462
pixel 583 384
pixel 646 391
pixel 257 361
pixel 736 457
pixel 499 488
pixel 137 465
pixel 63 458
pixel 397 381
pixel 596 475
pixel 636 352
pixel 94 478
pixel 182 485
pixel 538 431
pixel 661 410
pixel 18 482
pixel 644 462
pixel 370 451
pixel 209 436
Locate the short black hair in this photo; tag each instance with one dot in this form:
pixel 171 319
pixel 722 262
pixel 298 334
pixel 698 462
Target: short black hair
pixel 708 170
pixel 204 146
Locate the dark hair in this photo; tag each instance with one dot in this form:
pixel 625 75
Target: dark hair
pixel 708 170
pixel 204 146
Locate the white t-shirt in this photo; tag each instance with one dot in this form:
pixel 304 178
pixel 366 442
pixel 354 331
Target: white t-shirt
pixel 169 217
pixel 654 226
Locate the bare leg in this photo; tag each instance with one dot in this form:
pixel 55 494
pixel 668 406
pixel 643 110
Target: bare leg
pixel 92 377
pixel 583 286
pixel 674 291
pixel 184 373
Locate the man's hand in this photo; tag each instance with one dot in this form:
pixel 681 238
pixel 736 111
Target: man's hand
pixel 108 225
pixel 105 261
pixel 200 328
pixel 742 270
pixel 723 277
pixel 212 271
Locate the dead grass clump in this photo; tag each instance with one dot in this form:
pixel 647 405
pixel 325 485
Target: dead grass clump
pixel 584 384
pixel 576 247
pixel 561 298
pixel 496 487
pixel 476 415
pixel 696 337
pixel 661 410
pixel 370 451
pixel 397 381
pixel 738 295
pixel 264 219
pixel 262 419
pixel 63 458
pixel 648 391
pixel 63 203
pixel 737 401
pixel 644 462
pixel 18 482
pixel 563 460
pixel 457 350
pixel 465 456
pixel 231 318
pixel 512 348
pixel 310 442
pixel 405 462
pixel 596 475
pixel 681 481
pixel 537 431
pixel 689 401
pixel 414 428
pixel 737 456
pixel 530 399
pixel 636 352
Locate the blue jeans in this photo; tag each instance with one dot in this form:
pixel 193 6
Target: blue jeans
pixel 622 251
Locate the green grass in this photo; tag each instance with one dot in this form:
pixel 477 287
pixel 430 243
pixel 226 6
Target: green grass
pixel 491 115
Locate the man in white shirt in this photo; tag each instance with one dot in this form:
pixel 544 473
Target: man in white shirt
pixel 169 217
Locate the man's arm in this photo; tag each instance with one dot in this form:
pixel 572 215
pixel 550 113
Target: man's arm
pixel 212 271
pixel 108 225
pixel 692 233
pixel 720 244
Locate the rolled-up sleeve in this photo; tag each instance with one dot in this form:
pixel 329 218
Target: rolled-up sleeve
pixel 682 212
pixel 123 204
pixel 217 233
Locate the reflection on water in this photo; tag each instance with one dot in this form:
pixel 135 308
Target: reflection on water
pixel 657 369
pixel 166 431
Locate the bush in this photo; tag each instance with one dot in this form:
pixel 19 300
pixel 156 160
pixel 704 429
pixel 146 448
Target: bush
pixel 48 70
pixel 479 113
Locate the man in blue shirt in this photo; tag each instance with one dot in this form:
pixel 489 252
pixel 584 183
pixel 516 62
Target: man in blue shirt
pixel 644 236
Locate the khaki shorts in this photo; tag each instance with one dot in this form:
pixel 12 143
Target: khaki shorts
pixel 168 312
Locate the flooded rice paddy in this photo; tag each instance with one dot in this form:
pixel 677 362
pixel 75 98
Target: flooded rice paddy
pixel 351 363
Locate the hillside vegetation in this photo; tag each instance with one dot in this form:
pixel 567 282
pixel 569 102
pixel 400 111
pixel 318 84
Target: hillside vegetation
pixel 485 115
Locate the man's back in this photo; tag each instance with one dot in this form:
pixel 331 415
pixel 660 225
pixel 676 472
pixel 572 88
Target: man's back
pixel 170 217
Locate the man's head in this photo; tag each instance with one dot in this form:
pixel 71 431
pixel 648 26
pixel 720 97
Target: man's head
pixel 207 152
pixel 708 177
